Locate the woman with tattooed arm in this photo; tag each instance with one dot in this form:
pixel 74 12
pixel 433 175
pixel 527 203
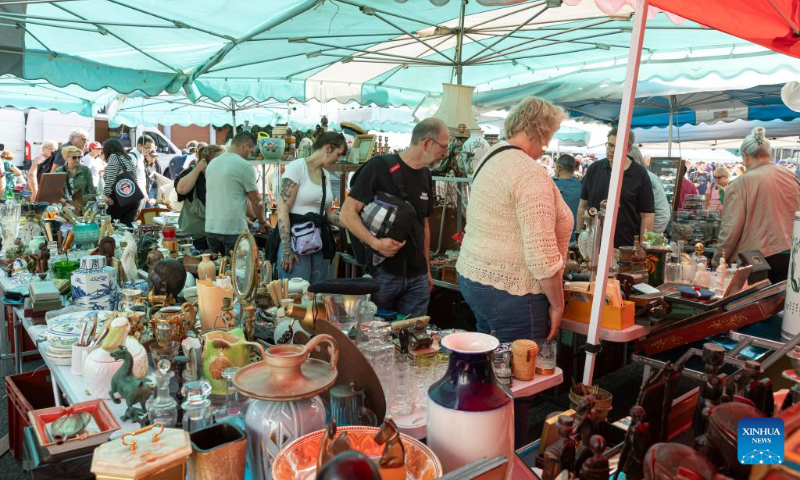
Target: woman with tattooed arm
pixel 304 185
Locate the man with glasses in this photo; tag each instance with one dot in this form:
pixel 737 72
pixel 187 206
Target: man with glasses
pixel 77 138
pixel 636 205
pixel 405 276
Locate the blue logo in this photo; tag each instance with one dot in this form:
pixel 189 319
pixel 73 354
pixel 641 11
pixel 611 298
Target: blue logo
pixel 760 441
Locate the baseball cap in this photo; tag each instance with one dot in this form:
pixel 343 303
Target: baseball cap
pixel 94 145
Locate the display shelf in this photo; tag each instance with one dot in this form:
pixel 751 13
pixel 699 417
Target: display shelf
pixel 415 424
pixel 72 386
pixel 447 285
pixel 617 336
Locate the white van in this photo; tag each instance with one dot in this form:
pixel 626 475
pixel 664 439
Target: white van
pixel 12 124
pixel 164 146
pixel 52 125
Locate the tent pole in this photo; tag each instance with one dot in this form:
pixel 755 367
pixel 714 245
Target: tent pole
pixel 620 153
pixel 460 44
pixel 672 99
pixel 233 114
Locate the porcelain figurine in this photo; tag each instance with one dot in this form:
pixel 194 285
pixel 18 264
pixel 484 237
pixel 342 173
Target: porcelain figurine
pixel 125 384
pixel 392 463
pixel 128 259
pixel 587 427
pixel 167 277
pixel 560 455
pixel 637 442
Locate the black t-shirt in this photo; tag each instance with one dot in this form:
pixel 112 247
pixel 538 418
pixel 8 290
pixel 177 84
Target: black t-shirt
pixel 199 187
pixel 59 157
pixel 374 177
pixel 636 197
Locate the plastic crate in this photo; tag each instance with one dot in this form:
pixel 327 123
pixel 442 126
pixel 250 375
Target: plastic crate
pixel 26 392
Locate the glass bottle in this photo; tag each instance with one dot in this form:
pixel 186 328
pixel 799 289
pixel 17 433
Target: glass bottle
pixel 232 411
pixel 196 414
pixel 699 259
pixel 163 408
pixel 365 317
pixel 674 269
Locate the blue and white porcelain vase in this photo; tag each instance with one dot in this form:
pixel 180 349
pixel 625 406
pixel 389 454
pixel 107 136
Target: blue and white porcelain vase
pixel 94 286
pixel 470 415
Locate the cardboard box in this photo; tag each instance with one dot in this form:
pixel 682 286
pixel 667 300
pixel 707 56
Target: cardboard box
pixel 579 307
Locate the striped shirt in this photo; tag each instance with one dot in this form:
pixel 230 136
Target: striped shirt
pixel 116 165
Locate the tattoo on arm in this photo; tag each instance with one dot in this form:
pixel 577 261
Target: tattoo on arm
pixel 288 190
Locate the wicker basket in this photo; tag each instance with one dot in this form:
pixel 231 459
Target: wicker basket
pixel 523 359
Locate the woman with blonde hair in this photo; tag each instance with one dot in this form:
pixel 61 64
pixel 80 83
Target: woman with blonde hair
pixel 190 185
pixel 79 182
pixel 11 171
pixel 43 163
pixel 512 256
pixel 716 193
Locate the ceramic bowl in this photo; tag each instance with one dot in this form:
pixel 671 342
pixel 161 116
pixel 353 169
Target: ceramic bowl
pixel 298 460
pixel 86 234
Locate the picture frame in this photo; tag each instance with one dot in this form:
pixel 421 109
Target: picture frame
pixel 51 187
pixel 670 170
pixel 365 146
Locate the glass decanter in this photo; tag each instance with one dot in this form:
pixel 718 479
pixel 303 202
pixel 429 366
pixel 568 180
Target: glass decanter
pixel 163 408
pixel 232 411
pixel 196 412
pixel 379 349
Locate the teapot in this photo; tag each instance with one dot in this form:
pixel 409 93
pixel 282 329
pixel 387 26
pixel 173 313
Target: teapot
pixel 173 323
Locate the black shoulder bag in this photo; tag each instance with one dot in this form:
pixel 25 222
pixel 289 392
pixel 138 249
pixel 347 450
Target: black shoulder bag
pixel 126 191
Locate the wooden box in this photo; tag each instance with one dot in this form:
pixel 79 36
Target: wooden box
pixel 579 307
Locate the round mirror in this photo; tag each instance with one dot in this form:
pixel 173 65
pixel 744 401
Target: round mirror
pixel 244 257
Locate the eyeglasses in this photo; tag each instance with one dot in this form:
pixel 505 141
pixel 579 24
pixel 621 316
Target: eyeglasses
pixel 437 143
pixel 75 157
pixel 723 176
pixel 610 145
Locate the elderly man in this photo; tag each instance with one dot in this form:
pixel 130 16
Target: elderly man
pixel 636 204
pixel 77 138
pixel 230 184
pixel 405 275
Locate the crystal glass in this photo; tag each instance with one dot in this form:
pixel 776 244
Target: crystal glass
pixel 343 310
pixel 232 411
pixel 379 349
pixel 405 389
pixel 164 351
pixel 366 315
pixel 196 412
pixel 163 408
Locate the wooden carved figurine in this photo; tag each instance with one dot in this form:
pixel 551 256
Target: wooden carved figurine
pixel 107 248
pixel 596 468
pixel 331 446
pixel 712 390
pixel 393 459
pixel 560 455
pixel 127 386
pixel 758 390
pixel 587 427
pixel 43 258
pixel 637 441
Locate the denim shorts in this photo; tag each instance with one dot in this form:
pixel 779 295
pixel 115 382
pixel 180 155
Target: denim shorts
pixel 512 317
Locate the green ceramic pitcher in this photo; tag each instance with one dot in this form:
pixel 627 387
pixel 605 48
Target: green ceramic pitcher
pixel 222 350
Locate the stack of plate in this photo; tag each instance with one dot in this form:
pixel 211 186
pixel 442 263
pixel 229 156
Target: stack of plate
pixel 69 325
pixel 60 351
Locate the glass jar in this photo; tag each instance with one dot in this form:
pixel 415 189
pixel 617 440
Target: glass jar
pixel 196 412
pixel 163 408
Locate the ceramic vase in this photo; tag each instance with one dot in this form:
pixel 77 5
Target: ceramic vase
pixel 99 367
pixel 33 245
pixel 209 301
pixel 791 309
pixel 298 286
pixel 206 268
pixel 220 351
pixel 470 415
pixel 94 286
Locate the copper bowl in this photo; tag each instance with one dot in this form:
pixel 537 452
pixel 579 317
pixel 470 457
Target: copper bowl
pixel 298 460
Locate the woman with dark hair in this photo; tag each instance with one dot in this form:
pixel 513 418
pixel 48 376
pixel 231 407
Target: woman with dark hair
pixel 303 187
pixel 118 162
pixel 191 188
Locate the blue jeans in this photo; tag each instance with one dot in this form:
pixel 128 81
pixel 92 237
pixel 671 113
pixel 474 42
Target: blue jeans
pixel 313 268
pixel 402 295
pixel 221 244
pixel 512 317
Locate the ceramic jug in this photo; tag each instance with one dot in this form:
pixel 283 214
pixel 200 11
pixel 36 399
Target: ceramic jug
pixel 175 322
pixel 298 286
pixel 209 301
pixel 347 406
pixel 222 350
pixel 285 387
pixel 206 268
